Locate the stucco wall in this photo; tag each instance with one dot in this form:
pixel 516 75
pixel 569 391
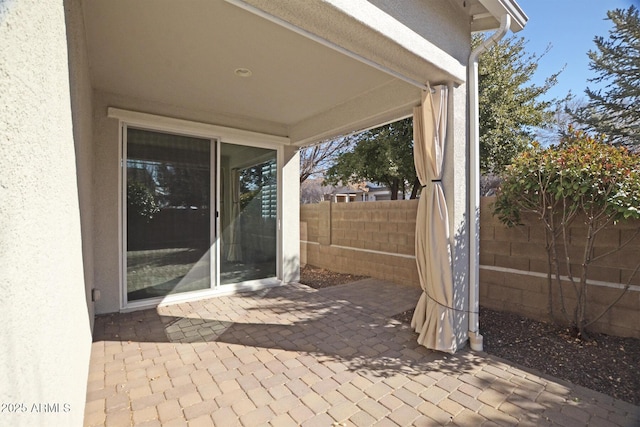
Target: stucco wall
pixel 82 115
pixel 45 331
pixel 437 21
pixel 106 206
pixel 454 179
pixel 290 221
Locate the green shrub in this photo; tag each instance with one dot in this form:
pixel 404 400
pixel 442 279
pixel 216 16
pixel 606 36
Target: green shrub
pixel 581 177
pixel 141 201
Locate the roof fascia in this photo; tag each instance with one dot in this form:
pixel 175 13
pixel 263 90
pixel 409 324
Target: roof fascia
pixel 498 8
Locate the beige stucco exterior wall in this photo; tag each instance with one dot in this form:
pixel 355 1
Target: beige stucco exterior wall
pixel 439 22
pixel 45 331
pixel 106 206
pixel 290 218
pixel 455 182
pixel 82 115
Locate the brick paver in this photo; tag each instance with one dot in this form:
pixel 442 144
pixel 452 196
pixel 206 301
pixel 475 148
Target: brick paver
pixel 295 356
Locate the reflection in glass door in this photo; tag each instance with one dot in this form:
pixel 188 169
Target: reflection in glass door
pixel 248 207
pixel 168 214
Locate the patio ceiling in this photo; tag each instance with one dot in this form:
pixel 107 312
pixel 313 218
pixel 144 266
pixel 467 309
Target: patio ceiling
pixel 185 55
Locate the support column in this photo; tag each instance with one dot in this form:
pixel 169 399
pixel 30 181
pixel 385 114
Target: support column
pixel 290 217
pixel 455 179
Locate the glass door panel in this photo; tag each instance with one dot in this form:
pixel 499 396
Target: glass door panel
pixel 248 208
pixel 168 189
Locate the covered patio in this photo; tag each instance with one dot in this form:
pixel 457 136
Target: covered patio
pixel 204 109
pixel 297 356
pixel 110 103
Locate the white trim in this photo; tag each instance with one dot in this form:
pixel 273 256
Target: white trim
pixel 215 215
pixel 370 251
pixel 279 211
pixel 499 8
pixel 613 285
pixel 195 129
pixel 122 217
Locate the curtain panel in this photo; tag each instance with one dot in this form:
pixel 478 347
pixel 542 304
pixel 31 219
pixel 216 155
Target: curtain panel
pixel 434 314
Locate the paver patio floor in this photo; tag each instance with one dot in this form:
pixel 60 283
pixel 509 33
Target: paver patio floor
pixel 296 356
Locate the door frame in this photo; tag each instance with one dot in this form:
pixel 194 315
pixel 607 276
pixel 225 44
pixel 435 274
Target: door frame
pixel 217 135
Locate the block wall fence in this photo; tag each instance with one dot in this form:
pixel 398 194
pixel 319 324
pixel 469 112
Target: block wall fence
pixel 376 239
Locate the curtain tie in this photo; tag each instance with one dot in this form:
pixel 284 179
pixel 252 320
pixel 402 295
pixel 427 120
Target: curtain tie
pixel 433 180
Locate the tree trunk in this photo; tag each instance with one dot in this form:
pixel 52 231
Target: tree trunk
pixel 414 190
pixel 394 189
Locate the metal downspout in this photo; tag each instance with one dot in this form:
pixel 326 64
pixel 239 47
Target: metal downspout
pixel 475 339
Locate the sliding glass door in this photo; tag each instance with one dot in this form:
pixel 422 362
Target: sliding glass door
pixel 249 213
pixel 199 214
pixel 168 212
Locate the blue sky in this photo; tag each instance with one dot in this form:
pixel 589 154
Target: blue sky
pixel 569 26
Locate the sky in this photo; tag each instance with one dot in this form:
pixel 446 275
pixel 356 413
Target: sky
pixel 570 27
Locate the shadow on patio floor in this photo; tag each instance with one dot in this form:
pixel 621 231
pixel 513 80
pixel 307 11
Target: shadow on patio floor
pixel 350 323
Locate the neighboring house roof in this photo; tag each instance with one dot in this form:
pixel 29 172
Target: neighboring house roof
pixel 311 72
pixel 344 190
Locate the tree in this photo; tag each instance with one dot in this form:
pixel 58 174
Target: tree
pixel 383 155
pixel 510 110
pixel 315 160
pixel 141 201
pixel 583 179
pixel 510 106
pixel 183 185
pixel 563 117
pixel 312 191
pixel 614 110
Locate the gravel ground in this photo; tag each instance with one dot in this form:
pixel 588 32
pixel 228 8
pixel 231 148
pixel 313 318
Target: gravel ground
pixel 606 364
pixel 320 278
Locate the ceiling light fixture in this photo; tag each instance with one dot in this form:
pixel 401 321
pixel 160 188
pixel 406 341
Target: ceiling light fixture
pixel 243 72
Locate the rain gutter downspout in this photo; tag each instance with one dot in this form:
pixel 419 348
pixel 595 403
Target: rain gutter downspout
pixel 475 339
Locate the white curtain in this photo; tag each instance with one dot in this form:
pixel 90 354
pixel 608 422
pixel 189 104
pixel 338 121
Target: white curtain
pixel 235 250
pixel 433 316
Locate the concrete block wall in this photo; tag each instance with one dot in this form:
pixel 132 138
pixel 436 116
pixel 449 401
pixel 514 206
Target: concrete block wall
pixel 373 238
pixel 377 239
pixel 514 266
